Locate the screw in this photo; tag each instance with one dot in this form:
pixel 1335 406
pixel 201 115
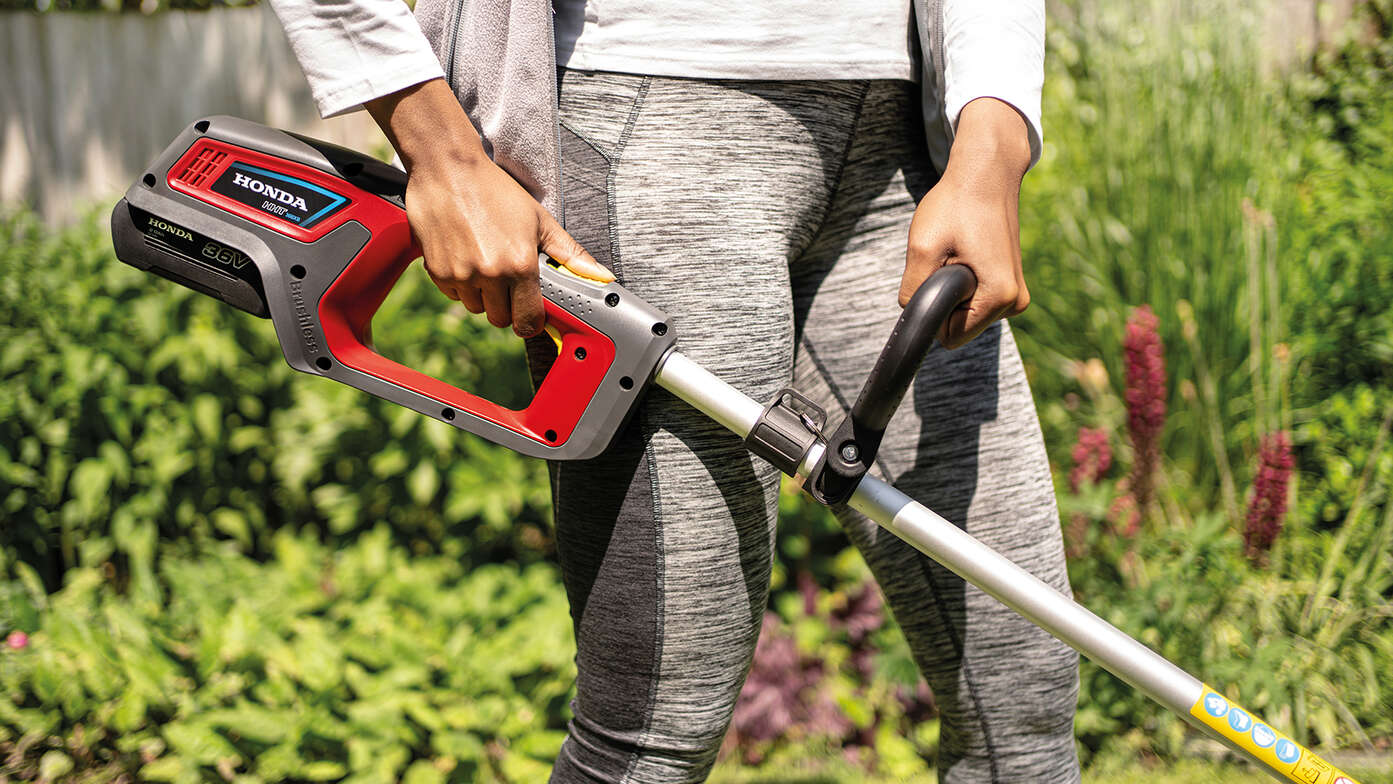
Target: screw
pixel 580 353
pixel 850 453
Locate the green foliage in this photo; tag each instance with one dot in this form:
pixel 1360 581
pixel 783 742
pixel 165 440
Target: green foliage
pixel 1312 655
pixel 1114 769
pixel 188 491
pixel 1242 209
pixel 363 665
pixel 140 417
pixel 1340 235
pixel 1158 129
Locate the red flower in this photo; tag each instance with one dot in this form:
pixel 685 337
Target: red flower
pixel 1146 400
pixel 17 640
pixel 1092 457
pixel 1269 504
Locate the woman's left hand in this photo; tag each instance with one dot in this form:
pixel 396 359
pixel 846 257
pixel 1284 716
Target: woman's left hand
pixel 970 218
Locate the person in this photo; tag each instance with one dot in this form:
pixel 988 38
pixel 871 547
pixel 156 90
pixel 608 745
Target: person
pixel 770 175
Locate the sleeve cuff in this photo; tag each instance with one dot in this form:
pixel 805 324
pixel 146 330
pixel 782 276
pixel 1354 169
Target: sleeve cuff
pixel 336 98
pixel 996 49
pixel 356 50
pixel 1032 121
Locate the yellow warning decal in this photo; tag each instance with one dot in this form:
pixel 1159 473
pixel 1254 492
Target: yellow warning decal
pixel 1281 753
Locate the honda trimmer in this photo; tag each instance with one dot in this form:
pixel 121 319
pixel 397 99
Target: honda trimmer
pixel 314 236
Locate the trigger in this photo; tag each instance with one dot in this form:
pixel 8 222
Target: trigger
pixel 555 337
pixel 557 266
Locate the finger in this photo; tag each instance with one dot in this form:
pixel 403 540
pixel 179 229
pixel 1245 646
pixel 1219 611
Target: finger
pixel 1023 296
pixel 529 317
pixel 1022 301
pixel 556 243
pixel 497 302
pixel 446 287
pixel 470 298
pixel 992 300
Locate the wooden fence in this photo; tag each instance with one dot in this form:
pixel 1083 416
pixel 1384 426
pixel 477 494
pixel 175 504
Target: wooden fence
pixel 87 99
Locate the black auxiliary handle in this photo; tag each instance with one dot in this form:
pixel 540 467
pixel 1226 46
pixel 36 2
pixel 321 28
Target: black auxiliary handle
pixel 791 424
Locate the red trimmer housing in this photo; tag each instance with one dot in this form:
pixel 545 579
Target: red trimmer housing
pixel 314 236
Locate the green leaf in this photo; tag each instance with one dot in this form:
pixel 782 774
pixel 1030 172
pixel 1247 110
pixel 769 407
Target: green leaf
pixel 253 722
pixel 520 769
pixel 207 416
pixel 199 743
pixel 541 744
pixel 423 482
pixel 169 768
pixel 323 770
pixel 54 765
pixel 423 772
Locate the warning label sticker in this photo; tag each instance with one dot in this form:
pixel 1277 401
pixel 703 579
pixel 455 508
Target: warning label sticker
pixel 1279 752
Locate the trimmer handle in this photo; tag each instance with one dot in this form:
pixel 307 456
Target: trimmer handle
pixel 852 447
pixel 314 236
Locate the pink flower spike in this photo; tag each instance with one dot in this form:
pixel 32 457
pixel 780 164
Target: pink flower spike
pixel 1269 505
pixel 17 641
pixel 1146 400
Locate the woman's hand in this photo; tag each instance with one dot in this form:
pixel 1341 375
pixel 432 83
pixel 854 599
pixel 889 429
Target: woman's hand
pixel 970 218
pixel 479 230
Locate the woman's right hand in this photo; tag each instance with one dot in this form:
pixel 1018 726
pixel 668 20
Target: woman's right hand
pixel 479 230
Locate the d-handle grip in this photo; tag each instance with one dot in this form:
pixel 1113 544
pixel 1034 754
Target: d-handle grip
pixel 852 447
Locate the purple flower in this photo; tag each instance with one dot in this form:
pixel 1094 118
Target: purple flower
pixel 771 702
pixel 1146 401
pixel 1269 504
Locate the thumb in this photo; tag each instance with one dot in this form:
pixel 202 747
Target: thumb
pixel 556 243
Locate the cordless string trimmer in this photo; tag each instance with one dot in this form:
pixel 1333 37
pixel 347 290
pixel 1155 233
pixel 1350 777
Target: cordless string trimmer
pixel 314 236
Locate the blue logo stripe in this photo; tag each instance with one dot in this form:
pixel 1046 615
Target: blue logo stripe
pixel 337 200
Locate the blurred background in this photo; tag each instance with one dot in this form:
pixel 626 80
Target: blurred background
pixel 215 569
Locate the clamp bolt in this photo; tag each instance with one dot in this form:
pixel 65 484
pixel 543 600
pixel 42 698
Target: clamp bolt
pixel 849 453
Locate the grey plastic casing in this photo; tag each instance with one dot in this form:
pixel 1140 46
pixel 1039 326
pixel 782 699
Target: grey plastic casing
pixel 640 333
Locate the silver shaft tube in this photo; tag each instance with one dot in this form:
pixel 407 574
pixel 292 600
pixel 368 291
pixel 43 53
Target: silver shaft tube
pixel 708 394
pixel 1025 593
pixel 1001 578
pixel 959 552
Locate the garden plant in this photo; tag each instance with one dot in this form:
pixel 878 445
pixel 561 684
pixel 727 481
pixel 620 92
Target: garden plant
pixel 214 569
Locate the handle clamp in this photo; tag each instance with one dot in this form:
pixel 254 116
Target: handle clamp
pixel 852 447
pixel 790 425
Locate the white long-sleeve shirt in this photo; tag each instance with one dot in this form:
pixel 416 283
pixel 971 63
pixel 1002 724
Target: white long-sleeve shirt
pixel 355 50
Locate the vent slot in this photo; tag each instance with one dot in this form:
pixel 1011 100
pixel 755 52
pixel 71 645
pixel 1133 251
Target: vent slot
pixel 201 168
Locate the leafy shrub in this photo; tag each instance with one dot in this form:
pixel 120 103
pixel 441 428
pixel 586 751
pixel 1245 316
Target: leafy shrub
pixel 362 665
pixel 140 417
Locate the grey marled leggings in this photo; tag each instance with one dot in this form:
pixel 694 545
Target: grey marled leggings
pixel 769 220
